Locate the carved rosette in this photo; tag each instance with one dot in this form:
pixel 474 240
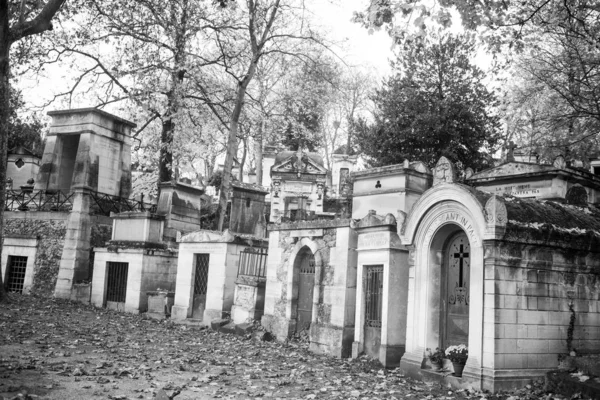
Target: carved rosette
pixel 495 211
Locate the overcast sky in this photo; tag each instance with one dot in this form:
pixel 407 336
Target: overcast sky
pixel 361 47
pixel 371 51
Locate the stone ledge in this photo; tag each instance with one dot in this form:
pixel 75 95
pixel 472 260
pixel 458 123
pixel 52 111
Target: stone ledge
pixel 315 224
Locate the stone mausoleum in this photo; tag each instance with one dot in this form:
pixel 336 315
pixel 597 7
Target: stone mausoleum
pixel 504 261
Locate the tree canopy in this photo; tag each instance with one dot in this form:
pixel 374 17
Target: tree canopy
pixel 434 104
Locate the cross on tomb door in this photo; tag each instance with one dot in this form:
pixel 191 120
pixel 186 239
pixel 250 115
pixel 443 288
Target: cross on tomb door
pixel 458 289
pixel 461 255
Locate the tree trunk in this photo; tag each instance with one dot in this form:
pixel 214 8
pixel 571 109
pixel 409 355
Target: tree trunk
pixel 166 151
pixel 232 144
pixel 259 153
pixel 4 115
pixel 243 160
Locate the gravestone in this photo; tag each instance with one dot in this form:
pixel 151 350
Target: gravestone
pixel 248 209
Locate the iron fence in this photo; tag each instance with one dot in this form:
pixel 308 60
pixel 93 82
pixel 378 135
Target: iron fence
pixel 39 200
pixel 56 200
pixel 104 204
pixel 253 262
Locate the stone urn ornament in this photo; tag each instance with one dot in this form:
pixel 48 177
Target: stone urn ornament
pixel 458 356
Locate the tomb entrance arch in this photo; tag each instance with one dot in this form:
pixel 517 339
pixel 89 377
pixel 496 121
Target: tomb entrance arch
pixel 444 307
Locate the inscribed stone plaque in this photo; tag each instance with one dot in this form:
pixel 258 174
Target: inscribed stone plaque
pixel 298 187
pixel 373 240
pixel 530 189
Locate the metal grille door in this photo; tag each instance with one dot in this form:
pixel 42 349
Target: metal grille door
pixel 17 265
pixel 373 309
pixel 306 285
pixel 252 262
pixel 200 285
pixel 116 288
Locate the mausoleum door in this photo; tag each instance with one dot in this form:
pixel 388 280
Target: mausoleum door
pixel 373 309
pixel 455 320
pixel 200 285
pixel 306 284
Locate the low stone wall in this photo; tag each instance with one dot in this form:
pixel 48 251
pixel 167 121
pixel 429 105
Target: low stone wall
pixel 49 228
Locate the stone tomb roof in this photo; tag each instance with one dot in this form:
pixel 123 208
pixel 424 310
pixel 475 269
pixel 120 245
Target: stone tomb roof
pixel 538 220
pixel 516 171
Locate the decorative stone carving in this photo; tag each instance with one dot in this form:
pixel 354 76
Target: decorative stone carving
pixel 406 163
pixel 444 172
pixel 510 156
pixel 469 173
pixel 389 219
pixel 420 166
pixel 495 211
pixel 401 221
pixel 559 162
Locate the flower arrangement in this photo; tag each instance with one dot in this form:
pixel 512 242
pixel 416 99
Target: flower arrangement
pixel 436 357
pixel 457 354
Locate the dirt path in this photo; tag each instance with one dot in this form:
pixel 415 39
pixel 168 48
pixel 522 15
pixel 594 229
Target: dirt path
pixel 53 349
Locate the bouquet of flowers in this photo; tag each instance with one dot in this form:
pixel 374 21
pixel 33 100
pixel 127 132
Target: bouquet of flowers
pixel 457 354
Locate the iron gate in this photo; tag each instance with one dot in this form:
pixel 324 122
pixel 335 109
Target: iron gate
pixel 374 296
pixel 200 285
pixel 201 278
pixel 17 265
pixel 252 262
pixel 116 288
pixel 306 285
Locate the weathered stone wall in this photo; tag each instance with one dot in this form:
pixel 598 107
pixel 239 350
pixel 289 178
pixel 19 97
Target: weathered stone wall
pixel 541 298
pixel 50 228
pixel 334 247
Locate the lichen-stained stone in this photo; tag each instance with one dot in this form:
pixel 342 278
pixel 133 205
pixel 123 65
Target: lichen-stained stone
pixel 331 244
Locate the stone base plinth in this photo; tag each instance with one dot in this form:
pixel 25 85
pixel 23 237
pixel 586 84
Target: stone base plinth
pixel 472 378
pixel 160 303
pixel 332 340
pixel 210 314
pixel 179 313
pixel 240 315
pixel 281 328
pixel 390 355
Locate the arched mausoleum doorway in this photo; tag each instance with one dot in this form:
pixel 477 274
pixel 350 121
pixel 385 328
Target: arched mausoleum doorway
pixel 448 265
pixel 304 275
pixel 444 235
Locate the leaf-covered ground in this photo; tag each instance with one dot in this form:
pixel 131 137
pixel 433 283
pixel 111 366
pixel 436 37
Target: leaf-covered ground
pixel 52 349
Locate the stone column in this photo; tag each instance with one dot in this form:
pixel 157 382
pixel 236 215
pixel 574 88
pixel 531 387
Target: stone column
pixel 74 263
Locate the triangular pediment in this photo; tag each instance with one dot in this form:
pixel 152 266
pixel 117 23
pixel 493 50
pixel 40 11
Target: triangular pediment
pixel 304 166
